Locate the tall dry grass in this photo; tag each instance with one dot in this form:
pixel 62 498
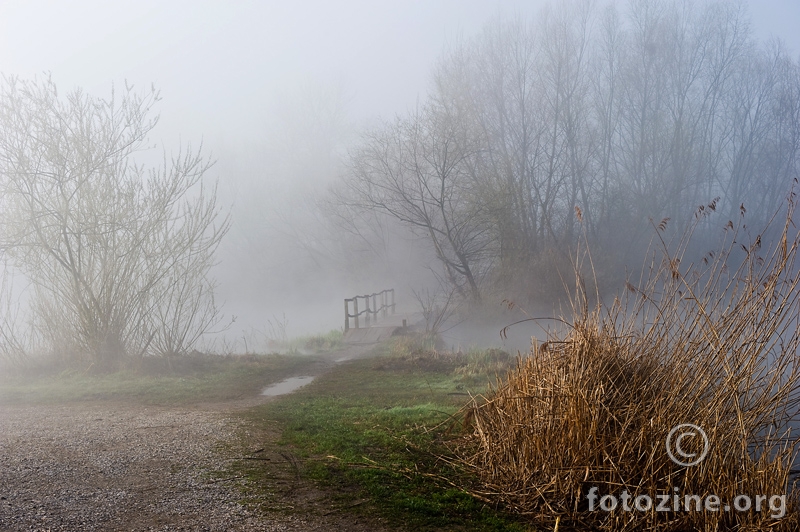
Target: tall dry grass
pixel 713 343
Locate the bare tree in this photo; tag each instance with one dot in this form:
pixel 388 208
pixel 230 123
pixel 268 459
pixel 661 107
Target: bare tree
pixel 763 121
pixel 117 254
pixel 437 308
pixel 626 115
pixel 417 170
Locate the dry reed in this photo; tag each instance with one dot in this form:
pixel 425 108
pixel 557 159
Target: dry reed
pixel 712 343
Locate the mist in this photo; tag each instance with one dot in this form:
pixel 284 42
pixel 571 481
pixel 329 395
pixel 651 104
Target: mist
pixel 374 266
pixel 282 99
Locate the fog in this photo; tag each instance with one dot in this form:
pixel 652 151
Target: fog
pixel 191 192
pixel 279 95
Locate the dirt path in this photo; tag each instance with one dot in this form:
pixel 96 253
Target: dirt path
pixel 113 466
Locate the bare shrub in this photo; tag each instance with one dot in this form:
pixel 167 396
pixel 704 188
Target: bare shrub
pixel 481 362
pixel 713 343
pixel 277 336
pixel 117 254
pixel 437 308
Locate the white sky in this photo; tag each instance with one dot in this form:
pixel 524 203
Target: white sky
pixel 221 64
pixel 218 63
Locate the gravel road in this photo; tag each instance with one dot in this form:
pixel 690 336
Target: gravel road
pixel 109 466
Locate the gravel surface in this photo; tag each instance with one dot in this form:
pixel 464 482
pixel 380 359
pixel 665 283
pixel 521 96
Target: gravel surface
pixel 127 467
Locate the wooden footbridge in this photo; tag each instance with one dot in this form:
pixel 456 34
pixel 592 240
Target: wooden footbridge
pixel 375 321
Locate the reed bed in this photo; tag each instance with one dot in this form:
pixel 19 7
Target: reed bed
pixel 713 343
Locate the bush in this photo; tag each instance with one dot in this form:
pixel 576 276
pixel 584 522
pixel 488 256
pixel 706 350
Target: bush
pixel 712 343
pixel 324 342
pixel 484 362
pixel 118 255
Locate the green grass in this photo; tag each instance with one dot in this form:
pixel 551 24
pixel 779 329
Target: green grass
pixel 184 380
pixel 360 430
pixel 315 343
pixel 329 341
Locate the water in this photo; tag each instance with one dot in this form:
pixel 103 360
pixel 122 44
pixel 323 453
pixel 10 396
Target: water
pixel 286 386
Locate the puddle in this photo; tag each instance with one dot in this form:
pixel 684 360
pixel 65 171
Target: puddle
pixel 343 359
pixel 286 386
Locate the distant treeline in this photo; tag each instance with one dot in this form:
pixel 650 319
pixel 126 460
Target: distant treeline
pixel 584 122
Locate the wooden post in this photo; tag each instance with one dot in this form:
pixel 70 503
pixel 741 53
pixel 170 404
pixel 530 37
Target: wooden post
pixel 372 310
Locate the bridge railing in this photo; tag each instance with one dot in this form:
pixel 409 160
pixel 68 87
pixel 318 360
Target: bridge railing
pixel 370 307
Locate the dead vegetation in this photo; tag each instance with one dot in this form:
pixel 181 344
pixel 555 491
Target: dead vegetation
pixel 712 342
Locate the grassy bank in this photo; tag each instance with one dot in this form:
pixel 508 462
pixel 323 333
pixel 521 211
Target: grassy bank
pixel 360 431
pixel 184 380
